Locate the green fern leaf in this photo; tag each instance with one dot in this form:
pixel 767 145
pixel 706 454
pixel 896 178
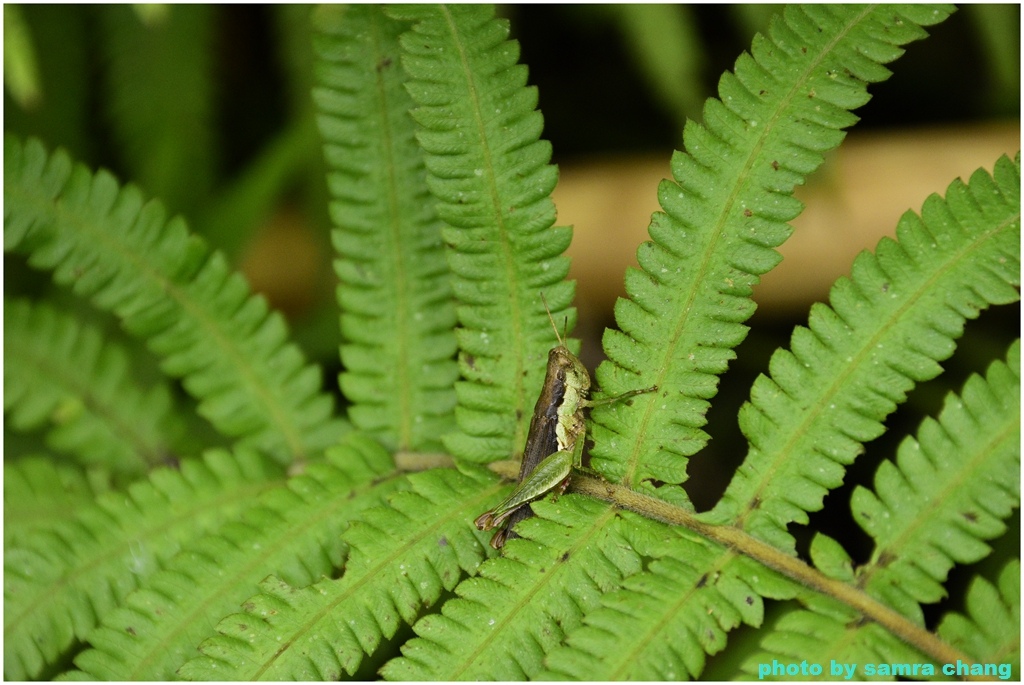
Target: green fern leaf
pixel 293 533
pixel 402 558
pixel 663 622
pixel 990 630
pixel 948 491
pixel 169 288
pixel 58 583
pixel 59 372
pixel 397 310
pixel 40 492
pixel 889 324
pixel 489 171
pixel 521 604
pixel 829 557
pixel 783 107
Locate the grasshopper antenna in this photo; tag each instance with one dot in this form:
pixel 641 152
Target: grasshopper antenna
pixel 565 331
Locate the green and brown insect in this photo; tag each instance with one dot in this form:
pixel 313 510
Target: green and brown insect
pixel 554 445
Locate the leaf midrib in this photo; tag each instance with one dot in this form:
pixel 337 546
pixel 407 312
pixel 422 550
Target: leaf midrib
pixel 515 315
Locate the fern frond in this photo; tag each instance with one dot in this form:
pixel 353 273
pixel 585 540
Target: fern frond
pixel 58 583
pixel 522 604
pixel 990 629
pixel 110 245
pixel 39 492
pixel 397 311
pixel 784 106
pixel 489 171
pixel 160 99
pixel 402 557
pixel 663 622
pixel 888 326
pixel 61 373
pixel 293 533
pixel 615 641
pixel 948 491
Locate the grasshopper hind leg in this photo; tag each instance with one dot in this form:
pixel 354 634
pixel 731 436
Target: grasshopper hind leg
pixel 505 533
pixel 521 514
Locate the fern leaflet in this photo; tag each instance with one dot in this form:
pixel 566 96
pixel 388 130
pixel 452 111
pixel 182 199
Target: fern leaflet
pixel 947 491
pixel 490 174
pixel 69 375
pixel 169 288
pixel 402 557
pixel 39 492
pixel 58 583
pixel 397 311
pixel 663 622
pixel 990 630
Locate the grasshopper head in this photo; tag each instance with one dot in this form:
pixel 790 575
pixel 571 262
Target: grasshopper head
pixel 575 374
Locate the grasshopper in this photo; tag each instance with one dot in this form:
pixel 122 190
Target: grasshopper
pixel 554 445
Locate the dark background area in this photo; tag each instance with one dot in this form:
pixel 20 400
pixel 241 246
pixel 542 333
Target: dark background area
pixel 593 93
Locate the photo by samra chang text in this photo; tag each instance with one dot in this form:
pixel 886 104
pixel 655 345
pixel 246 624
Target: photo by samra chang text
pixel 838 670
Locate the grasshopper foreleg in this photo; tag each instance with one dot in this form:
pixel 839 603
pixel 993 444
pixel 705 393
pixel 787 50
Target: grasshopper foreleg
pixel 616 398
